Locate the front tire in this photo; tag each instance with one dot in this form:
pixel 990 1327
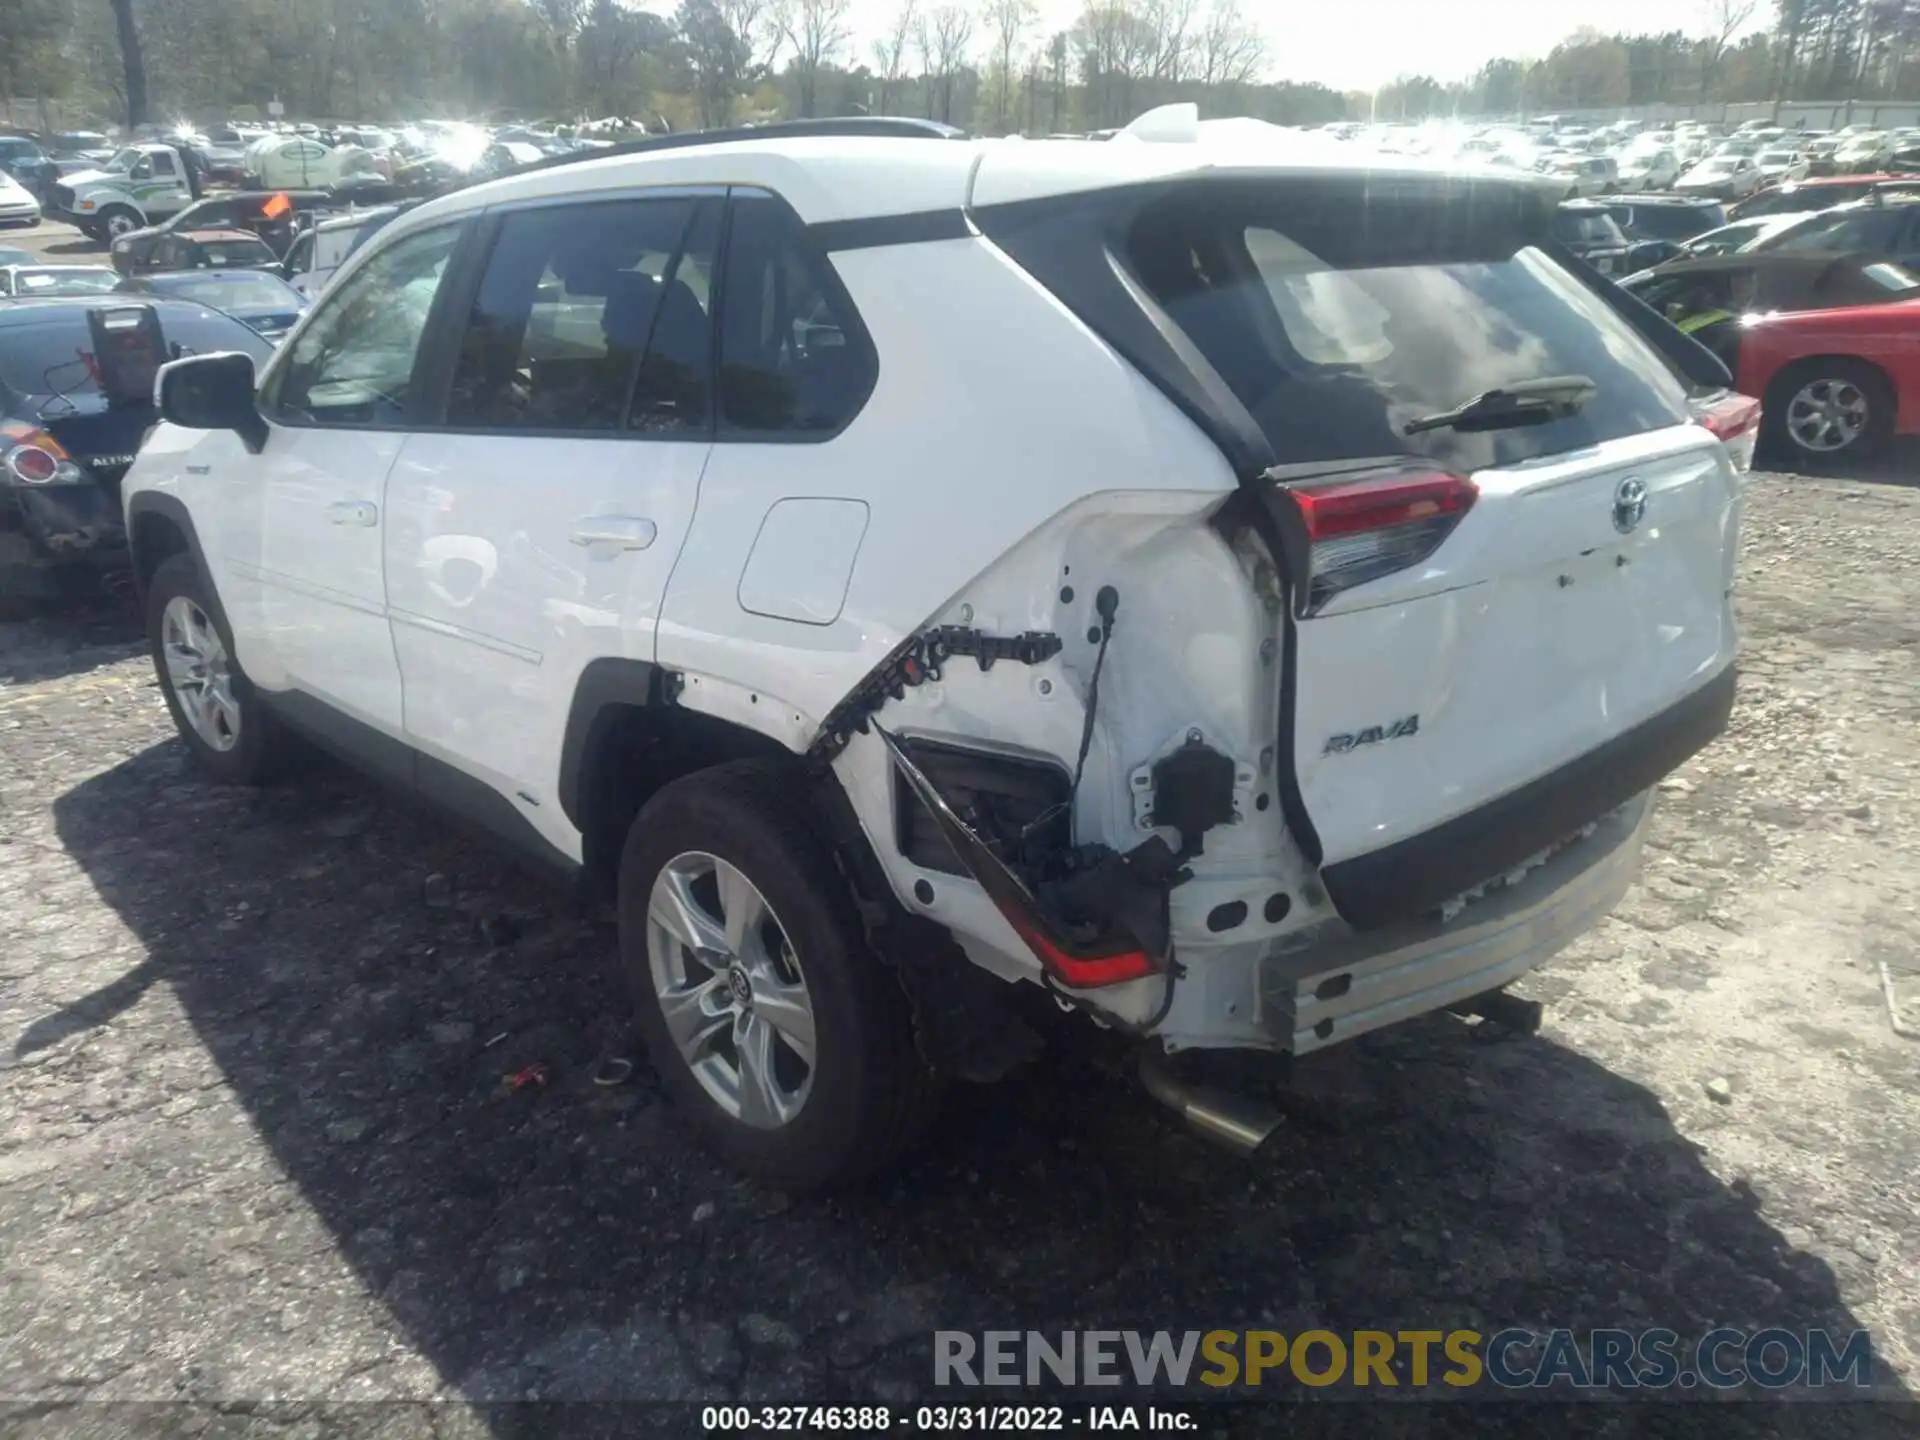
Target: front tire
pixel 117 220
pixel 1829 412
pixel 779 1034
pixel 214 706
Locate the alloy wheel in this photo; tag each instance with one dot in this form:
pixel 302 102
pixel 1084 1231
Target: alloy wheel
pixel 730 989
pixel 199 673
pixel 1828 415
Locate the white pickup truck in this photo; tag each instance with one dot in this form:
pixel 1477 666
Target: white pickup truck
pixel 141 185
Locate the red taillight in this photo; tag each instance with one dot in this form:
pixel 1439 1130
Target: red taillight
pixel 1077 972
pixel 1370 525
pixel 1735 421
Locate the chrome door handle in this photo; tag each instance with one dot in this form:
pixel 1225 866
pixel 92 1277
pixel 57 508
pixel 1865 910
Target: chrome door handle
pixel 623 532
pixel 354 512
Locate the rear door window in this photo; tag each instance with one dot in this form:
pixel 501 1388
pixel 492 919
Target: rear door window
pixel 1337 316
pixel 795 361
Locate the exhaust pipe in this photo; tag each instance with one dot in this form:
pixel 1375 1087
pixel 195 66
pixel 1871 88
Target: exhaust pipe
pixel 1231 1120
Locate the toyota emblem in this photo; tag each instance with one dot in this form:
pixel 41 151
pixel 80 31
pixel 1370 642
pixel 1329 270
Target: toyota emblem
pixel 1629 504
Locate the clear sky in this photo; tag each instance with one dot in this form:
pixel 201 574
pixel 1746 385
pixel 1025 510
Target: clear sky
pixel 1358 44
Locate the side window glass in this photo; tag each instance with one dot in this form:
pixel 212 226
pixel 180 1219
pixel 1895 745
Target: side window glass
pixel 163 164
pixel 300 258
pixel 142 169
pixel 571 298
pixel 794 358
pixel 353 364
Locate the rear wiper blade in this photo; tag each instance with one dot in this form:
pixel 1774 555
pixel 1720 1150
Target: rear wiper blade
pixel 1525 402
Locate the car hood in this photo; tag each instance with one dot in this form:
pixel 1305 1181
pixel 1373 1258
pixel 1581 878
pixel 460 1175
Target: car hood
pixel 95 177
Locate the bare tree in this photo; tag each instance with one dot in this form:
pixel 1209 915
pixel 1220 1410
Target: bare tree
pixel 949 32
pixel 761 33
pixel 816 29
pixel 1231 47
pixel 890 50
pixel 1721 20
pixel 1008 20
pixel 1171 22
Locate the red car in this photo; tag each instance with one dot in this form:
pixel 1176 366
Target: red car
pixel 1835 384
pixel 1820 192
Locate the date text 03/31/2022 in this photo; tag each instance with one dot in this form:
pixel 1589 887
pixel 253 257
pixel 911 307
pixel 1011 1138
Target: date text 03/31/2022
pixel 957 1419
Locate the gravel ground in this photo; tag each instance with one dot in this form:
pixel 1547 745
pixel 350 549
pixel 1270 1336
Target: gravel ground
pixel 256 1144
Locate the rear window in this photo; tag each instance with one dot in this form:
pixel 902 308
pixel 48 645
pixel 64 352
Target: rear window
pixel 44 357
pixel 1674 222
pixel 1336 320
pixel 226 254
pixel 1587 227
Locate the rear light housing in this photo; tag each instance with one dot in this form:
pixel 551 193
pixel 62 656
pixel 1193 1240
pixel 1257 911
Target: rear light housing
pixel 1734 420
pixel 1374 523
pixel 32 457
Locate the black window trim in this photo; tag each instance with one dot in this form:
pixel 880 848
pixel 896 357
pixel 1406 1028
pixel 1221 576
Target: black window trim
pixel 407 423
pixel 853 325
pixel 440 351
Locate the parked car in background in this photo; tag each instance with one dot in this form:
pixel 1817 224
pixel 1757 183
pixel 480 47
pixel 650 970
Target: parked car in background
pixel 18 205
pixel 22 157
pixel 64 445
pixel 40 280
pixel 1819 192
pixel 1722 176
pixel 1588 229
pixel 210 250
pixel 1779 167
pixel 1886 225
pixel 324 248
pixel 1648 167
pixel 1581 175
pixel 1862 152
pixel 1665 217
pixel 88 145
pixel 261 301
pixel 274 216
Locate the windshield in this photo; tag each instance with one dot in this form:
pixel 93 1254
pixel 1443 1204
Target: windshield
pixel 221 254
pixel 123 161
pixel 1588 227
pixel 42 356
pixel 230 292
pixel 89 281
pixel 1787 202
pixel 1719 167
pixel 1778 157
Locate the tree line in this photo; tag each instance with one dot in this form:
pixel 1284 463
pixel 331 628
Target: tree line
pixel 1814 50
pixel 985 65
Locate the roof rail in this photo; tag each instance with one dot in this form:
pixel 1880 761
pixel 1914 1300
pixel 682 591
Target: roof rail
pixel 893 127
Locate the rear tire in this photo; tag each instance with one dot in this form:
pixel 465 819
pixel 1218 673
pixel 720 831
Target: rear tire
pixel 790 1050
pixel 1821 413
pixel 233 737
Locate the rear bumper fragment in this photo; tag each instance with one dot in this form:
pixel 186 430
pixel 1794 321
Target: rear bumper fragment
pixel 1364 982
pixel 1414 877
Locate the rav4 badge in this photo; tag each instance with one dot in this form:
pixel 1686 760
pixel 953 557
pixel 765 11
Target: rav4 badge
pixel 1372 735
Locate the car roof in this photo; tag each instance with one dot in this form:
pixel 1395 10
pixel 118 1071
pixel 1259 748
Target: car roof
pixel 31 309
pixel 221 233
pixel 853 176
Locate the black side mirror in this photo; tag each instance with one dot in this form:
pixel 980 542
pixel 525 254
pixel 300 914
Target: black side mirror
pixel 212 392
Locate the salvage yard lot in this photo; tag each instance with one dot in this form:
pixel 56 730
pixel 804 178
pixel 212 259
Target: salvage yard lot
pixel 256 1144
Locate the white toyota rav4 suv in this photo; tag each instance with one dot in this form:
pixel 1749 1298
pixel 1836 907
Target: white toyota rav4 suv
pixel 1247 593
